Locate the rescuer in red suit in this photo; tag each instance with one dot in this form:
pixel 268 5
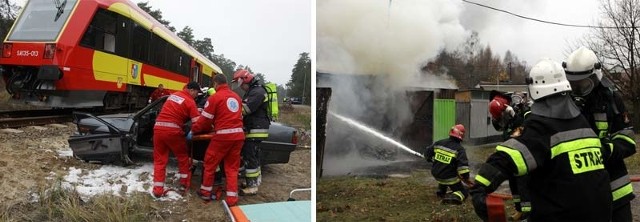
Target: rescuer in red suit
pixel 168 135
pixel 224 110
pixel 159 92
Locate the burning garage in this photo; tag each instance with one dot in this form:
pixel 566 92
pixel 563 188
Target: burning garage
pixel 408 117
pixel 371 56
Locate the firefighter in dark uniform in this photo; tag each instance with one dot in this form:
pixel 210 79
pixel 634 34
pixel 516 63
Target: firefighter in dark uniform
pixel 507 115
pixel 606 113
pixel 507 112
pixel 256 123
pixel 558 150
pixel 450 164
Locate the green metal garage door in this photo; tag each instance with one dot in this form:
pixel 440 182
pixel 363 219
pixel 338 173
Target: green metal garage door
pixel 444 117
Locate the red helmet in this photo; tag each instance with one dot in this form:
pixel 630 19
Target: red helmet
pixel 244 75
pixel 457 131
pixel 496 106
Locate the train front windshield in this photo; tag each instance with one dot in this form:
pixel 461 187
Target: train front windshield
pixel 41 20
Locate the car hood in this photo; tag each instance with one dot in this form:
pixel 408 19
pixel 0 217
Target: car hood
pixel 122 121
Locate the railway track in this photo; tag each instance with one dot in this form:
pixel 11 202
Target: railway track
pixel 34 113
pixel 22 118
pixel 33 121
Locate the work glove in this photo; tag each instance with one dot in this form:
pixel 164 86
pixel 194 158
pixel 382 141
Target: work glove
pixel 189 135
pixel 510 112
pixel 479 200
pixel 468 183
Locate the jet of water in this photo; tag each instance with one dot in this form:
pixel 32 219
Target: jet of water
pixel 375 133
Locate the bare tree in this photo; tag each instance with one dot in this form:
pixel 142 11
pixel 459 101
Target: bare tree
pixel 616 42
pixel 8 12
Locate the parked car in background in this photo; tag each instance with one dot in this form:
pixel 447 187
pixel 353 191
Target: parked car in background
pixel 296 100
pixel 112 138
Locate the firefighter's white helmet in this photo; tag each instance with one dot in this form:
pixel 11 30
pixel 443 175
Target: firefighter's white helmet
pixel 583 71
pixel 547 78
pixel 581 64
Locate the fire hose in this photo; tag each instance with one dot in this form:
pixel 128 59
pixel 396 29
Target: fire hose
pixel 495 203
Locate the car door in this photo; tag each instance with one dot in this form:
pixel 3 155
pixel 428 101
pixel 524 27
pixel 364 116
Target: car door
pixel 98 140
pixel 142 128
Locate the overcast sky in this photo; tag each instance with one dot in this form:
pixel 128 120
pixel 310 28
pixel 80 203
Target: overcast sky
pixel 269 35
pixel 529 40
pixel 266 35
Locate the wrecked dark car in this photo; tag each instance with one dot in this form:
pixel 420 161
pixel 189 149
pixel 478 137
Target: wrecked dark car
pixel 114 138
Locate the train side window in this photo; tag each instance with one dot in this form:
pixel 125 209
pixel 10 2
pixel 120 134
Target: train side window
pixel 184 64
pixel 196 73
pixel 159 51
pixel 171 58
pixel 141 41
pixel 101 32
pixel 109 42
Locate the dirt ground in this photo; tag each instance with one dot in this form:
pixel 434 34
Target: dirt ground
pixel 30 162
pixel 349 198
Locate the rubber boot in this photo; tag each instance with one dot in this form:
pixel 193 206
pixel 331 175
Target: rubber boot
pixel 160 191
pixel 232 201
pixel 205 195
pixel 252 187
pixel 519 216
pixel 451 199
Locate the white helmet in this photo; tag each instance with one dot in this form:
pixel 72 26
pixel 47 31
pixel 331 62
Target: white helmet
pixel 547 78
pixel 583 71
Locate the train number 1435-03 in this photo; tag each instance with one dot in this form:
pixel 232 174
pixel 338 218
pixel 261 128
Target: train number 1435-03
pixel 27 53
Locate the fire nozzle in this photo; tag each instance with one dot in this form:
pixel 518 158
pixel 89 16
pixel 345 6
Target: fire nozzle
pixel 418 154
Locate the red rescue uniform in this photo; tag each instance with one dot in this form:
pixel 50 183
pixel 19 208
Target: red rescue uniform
pixel 156 94
pixel 168 135
pixel 224 110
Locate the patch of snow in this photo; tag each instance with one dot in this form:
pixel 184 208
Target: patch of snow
pixel 114 180
pixel 170 196
pixel 65 153
pixel 34 197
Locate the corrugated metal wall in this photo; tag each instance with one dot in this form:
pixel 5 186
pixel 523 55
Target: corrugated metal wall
pixel 478 118
pixel 473 111
pixel 463 111
pixel 475 117
pixel 444 117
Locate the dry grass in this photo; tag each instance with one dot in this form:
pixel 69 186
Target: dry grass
pixel 633 162
pixel 298 117
pixel 58 204
pixel 351 198
pixel 388 199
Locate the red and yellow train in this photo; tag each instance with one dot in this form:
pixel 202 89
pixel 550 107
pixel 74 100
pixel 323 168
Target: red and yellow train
pixel 95 53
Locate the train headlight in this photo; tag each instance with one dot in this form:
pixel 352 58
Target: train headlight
pixel 6 50
pixel 49 50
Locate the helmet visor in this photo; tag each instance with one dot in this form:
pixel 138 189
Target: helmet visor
pixel 237 83
pixel 582 87
pixel 575 76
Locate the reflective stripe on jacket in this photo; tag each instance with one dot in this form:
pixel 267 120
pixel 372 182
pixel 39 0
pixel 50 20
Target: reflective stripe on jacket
pixel 564 160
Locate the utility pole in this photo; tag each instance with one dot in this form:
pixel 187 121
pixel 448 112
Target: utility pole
pixel 510 73
pixel 304 87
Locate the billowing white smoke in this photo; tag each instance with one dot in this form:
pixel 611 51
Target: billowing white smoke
pixel 385 43
pixel 381 37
